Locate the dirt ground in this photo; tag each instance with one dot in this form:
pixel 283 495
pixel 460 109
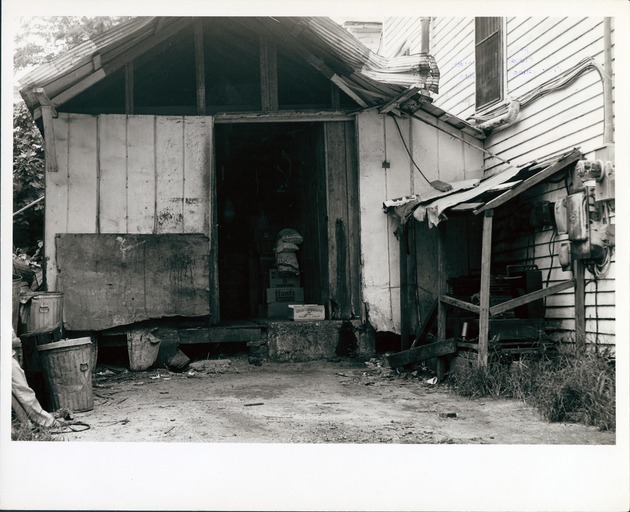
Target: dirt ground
pixel 340 401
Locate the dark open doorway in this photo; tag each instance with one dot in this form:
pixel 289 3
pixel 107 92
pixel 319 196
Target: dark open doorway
pixel 269 176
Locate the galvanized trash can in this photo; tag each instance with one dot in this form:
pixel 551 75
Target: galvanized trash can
pixel 67 368
pixel 44 311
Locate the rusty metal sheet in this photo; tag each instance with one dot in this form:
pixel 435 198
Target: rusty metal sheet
pixel 116 279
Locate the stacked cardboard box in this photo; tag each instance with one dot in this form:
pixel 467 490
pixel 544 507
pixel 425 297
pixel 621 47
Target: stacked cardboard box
pixel 284 290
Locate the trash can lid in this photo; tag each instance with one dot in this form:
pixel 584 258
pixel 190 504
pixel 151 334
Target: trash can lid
pixel 64 344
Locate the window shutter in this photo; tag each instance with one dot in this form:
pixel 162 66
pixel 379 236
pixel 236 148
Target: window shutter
pixel 488 61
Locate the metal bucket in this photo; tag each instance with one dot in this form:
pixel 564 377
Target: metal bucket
pixel 44 311
pixel 143 348
pixel 67 368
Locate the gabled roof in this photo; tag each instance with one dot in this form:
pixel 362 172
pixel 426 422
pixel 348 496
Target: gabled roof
pixel 368 78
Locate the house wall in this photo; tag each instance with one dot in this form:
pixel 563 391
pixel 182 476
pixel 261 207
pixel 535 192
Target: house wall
pixel 440 156
pixel 537 50
pixel 400 35
pixel 128 175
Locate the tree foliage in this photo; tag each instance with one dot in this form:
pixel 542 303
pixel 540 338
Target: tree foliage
pixel 28 179
pixel 39 40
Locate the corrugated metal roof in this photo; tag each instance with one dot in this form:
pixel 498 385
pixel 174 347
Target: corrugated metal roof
pixel 375 80
pixel 486 194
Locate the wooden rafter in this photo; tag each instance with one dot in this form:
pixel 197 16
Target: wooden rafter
pixel 268 75
pixel 200 72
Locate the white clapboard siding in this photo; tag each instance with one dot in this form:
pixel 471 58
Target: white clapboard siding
pixel 400 34
pixel 453 46
pixel 535 250
pixel 537 49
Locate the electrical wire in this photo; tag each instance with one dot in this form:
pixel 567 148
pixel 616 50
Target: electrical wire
pixel 407 149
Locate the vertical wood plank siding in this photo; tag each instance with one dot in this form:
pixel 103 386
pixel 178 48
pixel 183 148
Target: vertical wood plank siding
pixel 128 174
pixel 537 50
pixel 82 174
pixel 440 157
pixel 113 174
pixel 141 174
pixel 169 167
pixel 343 234
pixel 56 198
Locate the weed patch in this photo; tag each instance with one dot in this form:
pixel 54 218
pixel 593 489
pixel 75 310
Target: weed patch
pixel 562 385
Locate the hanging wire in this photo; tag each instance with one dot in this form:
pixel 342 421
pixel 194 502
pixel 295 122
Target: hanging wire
pixel 409 152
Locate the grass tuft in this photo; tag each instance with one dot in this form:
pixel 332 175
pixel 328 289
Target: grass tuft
pixel 561 385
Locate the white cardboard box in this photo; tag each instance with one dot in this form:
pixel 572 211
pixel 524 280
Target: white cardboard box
pixel 307 312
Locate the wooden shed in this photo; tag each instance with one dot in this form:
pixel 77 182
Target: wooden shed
pixel 177 148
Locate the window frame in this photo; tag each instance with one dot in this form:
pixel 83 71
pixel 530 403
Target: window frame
pixel 501 48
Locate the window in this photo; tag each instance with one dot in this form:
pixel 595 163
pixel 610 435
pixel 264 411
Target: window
pixel 488 61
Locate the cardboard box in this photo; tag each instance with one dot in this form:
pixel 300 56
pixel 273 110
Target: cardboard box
pixel 294 295
pixel 278 280
pixel 278 310
pixel 307 312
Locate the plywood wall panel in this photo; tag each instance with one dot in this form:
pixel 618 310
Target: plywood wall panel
pixel 141 174
pixel 197 168
pixel 112 147
pixel 82 174
pixel 170 174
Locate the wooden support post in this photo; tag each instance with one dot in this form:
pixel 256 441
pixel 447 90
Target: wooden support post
pixel 484 293
pixel 129 88
pixel 442 288
pixel 580 306
pixel 442 277
pixel 200 68
pixel 268 75
pixel 403 237
pixel 48 113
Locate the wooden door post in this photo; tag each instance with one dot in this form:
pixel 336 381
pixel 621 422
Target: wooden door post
pixel 580 306
pixel 403 237
pixel 484 293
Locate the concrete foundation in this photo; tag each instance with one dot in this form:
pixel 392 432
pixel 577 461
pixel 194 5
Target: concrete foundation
pixel 312 340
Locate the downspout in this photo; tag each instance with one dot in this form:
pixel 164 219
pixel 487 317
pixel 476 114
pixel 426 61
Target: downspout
pixel 425 24
pixel 514 109
pixel 609 137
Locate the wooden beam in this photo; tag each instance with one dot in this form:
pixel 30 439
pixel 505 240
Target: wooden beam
pixel 422 353
pixel 530 297
pixel 200 71
pixel 284 116
pixel 138 49
pixel 441 328
pixel 484 294
pixel 268 74
pixel 460 304
pixel 48 112
pixel 396 102
pixel 129 88
pixel 78 88
pixel 404 287
pixel 580 305
pixel 339 82
pixel 572 157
